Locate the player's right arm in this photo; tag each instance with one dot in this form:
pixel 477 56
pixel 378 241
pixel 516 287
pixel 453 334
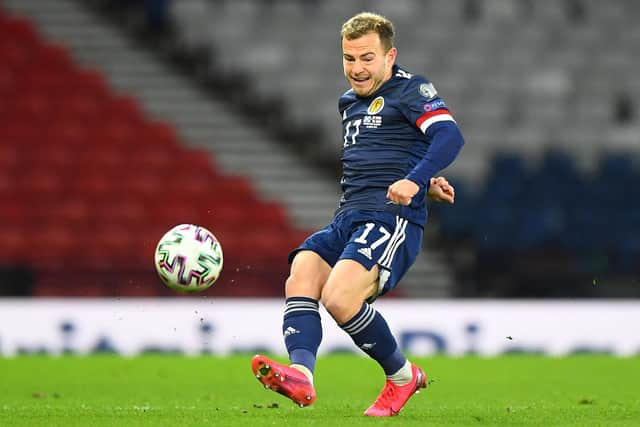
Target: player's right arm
pixel 402 191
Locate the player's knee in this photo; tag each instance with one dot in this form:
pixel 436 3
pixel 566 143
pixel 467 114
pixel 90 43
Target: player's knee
pixel 340 306
pixel 296 286
pixel 291 285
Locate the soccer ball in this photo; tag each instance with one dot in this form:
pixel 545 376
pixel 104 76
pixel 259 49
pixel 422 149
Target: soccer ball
pixel 188 258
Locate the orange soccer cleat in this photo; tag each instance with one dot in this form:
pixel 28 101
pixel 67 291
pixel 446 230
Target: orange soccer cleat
pixel 393 397
pixel 283 379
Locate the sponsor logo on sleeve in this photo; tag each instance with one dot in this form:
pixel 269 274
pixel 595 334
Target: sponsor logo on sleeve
pixel 434 105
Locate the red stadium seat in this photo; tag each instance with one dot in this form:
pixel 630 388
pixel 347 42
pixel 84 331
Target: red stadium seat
pixel 94 187
pixel 55 59
pixel 81 106
pixel 273 214
pixel 59 246
pixel 16 247
pixel 62 134
pixel 90 83
pixel 40 184
pixel 117 131
pixel 128 213
pixel 104 159
pixel 158 135
pixel 7 84
pixel 123 108
pixel 48 158
pixel 157 162
pixel 33 107
pixel 71 215
pixel 20 31
pixel 9 157
pixel 13 212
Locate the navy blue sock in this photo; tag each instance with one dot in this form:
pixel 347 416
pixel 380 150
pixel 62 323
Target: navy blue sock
pixel 302 330
pixel 370 332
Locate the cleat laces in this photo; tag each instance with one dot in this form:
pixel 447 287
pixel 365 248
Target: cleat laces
pixel 387 396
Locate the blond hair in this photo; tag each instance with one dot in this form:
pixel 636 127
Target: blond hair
pixel 367 22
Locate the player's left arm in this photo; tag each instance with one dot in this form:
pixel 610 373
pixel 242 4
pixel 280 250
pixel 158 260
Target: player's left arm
pixel 446 143
pixel 440 190
pixel 432 116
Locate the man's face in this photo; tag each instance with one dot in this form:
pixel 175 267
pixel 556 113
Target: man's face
pixel 366 65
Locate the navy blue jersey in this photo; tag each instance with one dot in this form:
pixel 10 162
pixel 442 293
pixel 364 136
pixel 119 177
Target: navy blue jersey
pixel 384 136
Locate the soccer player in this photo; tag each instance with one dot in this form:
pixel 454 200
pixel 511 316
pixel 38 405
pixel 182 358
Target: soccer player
pixel 397 135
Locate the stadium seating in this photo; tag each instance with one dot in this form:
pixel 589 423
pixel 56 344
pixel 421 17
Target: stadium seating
pixel 548 177
pixel 587 223
pixel 519 76
pixel 88 184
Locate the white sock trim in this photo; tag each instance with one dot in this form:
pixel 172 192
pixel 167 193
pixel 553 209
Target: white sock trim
pixel 402 376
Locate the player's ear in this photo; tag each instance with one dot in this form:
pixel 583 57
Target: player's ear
pixel 391 55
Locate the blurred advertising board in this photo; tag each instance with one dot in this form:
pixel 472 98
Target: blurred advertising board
pixel 225 326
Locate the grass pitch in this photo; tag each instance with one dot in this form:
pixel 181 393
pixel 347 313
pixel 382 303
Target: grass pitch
pixel 207 390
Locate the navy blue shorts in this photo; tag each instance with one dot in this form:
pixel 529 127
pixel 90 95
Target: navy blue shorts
pixel 370 238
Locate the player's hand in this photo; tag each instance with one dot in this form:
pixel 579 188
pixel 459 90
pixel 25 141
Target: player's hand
pixel 441 191
pixel 401 192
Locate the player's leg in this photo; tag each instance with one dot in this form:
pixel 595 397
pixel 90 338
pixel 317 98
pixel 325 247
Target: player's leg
pixel 302 332
pixel 374 260
pixel 350 284
pixel 301 326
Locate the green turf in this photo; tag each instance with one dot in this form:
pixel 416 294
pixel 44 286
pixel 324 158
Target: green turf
pixel 209 391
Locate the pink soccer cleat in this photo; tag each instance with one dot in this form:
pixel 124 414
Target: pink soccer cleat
pixel 393 397
pixel 284 380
